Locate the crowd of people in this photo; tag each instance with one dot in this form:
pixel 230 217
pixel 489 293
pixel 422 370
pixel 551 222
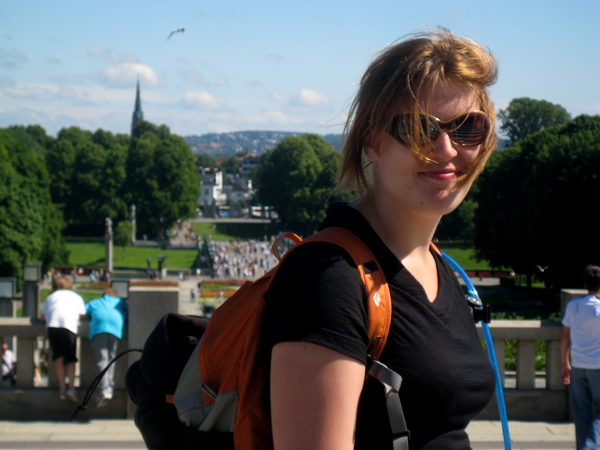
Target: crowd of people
pixel 242 260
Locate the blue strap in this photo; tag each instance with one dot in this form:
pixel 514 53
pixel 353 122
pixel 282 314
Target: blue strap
pixel 476 304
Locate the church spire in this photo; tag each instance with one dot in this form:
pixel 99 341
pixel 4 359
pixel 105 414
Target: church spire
pixel 138 115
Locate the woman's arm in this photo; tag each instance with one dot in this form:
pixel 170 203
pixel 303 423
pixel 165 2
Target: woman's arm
pixel 314 397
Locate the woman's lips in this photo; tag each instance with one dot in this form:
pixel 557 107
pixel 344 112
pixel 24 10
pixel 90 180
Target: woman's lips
pixel 441 175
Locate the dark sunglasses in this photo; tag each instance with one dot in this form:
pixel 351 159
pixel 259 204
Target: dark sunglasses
pixel 466 130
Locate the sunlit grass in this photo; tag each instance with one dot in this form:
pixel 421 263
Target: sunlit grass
pixel 91 254
pixel 88 254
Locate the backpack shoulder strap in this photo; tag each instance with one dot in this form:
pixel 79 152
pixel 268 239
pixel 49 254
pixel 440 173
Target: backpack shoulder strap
pixel 380 301
pixel 380 318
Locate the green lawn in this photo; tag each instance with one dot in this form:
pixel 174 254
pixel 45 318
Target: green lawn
pixel 88 254
pixel 465 258
pixel 91 254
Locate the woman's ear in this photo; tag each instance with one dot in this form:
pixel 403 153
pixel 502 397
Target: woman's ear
pixel 368 147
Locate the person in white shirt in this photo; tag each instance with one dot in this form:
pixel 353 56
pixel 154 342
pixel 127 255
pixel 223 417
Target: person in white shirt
pixel 580 354
pixel 9 364
pixel 61 312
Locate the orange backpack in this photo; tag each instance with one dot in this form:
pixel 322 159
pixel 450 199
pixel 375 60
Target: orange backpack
pixel 224 386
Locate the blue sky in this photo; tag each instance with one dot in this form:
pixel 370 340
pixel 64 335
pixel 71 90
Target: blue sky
pixel 266 65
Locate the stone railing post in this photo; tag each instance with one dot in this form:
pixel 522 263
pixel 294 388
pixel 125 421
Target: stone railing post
pixel 25 361
pixel 526 364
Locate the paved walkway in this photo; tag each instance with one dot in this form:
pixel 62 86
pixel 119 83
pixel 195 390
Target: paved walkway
pixel 123 435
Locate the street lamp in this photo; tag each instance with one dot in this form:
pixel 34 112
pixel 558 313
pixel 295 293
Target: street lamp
pixel 7 287
pixel 7 293
pixel 32 274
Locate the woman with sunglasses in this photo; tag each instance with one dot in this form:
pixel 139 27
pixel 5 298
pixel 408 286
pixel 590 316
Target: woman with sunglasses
pixel 419 131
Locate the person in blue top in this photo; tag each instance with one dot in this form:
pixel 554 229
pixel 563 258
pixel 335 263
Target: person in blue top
pixel 107 315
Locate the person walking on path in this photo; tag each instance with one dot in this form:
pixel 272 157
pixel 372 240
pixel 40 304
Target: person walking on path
pixel 107 315
pixel 580 354
pixel 9 365
pixel 62 311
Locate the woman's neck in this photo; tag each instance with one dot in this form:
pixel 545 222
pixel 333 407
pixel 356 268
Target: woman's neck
pixel 402 233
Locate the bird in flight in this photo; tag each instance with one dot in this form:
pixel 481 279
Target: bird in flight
pixel 178 30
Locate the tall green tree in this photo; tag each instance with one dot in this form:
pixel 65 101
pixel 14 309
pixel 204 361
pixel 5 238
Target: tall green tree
pixel 122 235
pixel 162 179
pixel 538 204
pixel 88 176
pixel 459 224
pixel 30 224
pixel 525 116
pixel 296 179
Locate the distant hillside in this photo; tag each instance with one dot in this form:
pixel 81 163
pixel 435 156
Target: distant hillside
pixel 256 142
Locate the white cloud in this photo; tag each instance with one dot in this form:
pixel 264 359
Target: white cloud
pixel 127 73
pixel 308 97
pixel 201 99
pixel 40 92
pixel 269 118
pixel 304 99
pixel 280 97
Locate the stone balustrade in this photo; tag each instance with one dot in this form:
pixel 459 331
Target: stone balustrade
pixel 529 395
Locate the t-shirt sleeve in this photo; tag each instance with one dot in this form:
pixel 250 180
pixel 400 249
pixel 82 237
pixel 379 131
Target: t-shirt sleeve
pixel 568 315
pixel 317 296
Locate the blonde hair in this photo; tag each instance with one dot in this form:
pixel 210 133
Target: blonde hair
pixel 396 81
pixel 59 283
pixel 110 291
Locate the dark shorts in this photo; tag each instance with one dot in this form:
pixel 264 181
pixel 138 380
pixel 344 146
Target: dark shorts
pixel 63 344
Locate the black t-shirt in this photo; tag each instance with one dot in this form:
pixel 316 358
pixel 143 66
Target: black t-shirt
pixel 317 296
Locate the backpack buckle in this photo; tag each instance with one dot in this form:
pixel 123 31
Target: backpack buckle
pixel 480 311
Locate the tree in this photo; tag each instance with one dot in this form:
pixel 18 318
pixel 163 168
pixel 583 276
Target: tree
pixel 538 204
pixel 231 165
pixel 88 177
pixel 296 179
pixel 525 116
pixel 30 224
pixel 207 161
pixel 162 179
pixel 122 235
pixel 459 224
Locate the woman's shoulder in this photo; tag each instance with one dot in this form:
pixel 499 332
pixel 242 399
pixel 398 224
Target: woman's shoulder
pixel 315 259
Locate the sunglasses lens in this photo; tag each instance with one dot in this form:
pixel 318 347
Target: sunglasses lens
pixel 402 126
pixel 467 130
pixel 400 129
pixel 471 129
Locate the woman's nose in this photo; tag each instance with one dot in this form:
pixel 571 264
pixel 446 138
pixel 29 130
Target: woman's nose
pixel 443 148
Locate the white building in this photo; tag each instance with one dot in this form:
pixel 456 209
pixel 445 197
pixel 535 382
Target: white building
pixel 215 192
pixel 211 188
